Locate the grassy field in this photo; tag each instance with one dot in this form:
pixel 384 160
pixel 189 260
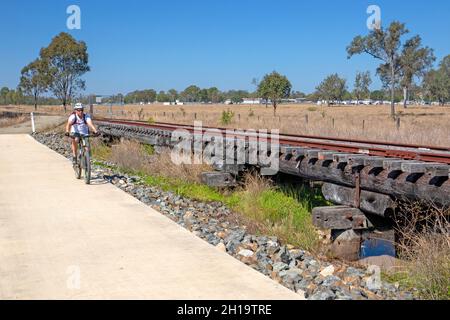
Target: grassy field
pixel 418 124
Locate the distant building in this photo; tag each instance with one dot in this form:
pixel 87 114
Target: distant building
pixel 252 101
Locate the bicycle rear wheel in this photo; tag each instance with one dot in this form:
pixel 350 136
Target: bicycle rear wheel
pixel 87 168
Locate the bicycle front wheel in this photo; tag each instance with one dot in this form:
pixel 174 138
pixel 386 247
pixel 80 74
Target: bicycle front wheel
pixel 77 167
pixel 87 168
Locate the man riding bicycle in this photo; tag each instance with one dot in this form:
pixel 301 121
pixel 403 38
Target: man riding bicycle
pixel 78 124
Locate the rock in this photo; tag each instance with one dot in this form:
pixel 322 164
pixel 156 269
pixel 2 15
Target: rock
pixel 188 214
pixel 221 234
pixel 330 281
pixel 301 293
pixel 283 255
pixel 280 266
pixel 354 272
pixel 386 263
pixel 245 253
pixel 221 247
pixel 346 244
pixel 328 271
pixel 322 295
pixel 272 247
pixel 296 254
pixel 291 276
pixel 235 236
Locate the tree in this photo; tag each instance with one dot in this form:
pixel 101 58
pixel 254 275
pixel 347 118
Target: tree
pixel 378 95
pixel 362 84
pixel 203 95
pixel 437 82
pixel 236 96
pixel 347 95
pixel 383 45
pixel 162 97
pixel 332 88
pixel 67 61
pixel 191 94
pixel 297 94
pixel 214 95
pixel 173 95
pixel 3 95
pixel 35 79
pixel 415 62
pixel 275 87
pixel 148 95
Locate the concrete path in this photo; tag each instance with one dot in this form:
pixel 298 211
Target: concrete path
pixel 62 239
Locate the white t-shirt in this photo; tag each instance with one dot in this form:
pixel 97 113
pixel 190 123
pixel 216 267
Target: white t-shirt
pixel 78 125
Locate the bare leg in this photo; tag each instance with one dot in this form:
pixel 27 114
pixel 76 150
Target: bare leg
pixel 74 147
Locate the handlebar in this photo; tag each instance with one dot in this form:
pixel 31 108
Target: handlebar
pixel 73 135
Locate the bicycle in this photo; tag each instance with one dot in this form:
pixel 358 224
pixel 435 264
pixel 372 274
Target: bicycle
pixel 83 157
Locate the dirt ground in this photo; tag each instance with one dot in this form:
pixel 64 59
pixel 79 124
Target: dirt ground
pixel 42 123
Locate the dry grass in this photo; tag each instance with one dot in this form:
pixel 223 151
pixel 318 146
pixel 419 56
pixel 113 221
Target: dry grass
pixel 425 244
pixel 137 157
pixel 8 121
pixel 418 124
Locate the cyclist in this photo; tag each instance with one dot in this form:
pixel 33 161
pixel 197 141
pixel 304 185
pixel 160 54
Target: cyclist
pixel 78 124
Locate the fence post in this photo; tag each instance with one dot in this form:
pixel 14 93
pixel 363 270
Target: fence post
pixel 33 129
pixel 364 124
pixel 332 120
pixel 398 123
pixel 306 118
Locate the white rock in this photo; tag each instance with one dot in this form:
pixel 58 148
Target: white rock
pixel 301 293
pixel 221 247
pixel 328 271
pixel 246 253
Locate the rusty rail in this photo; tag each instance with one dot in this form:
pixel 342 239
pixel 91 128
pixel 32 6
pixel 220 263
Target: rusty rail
pixel 371 148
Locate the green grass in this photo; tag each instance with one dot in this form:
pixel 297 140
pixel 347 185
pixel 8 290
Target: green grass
pixel 280 215
pixel 309 198
pixel 101 151
pixel 148 149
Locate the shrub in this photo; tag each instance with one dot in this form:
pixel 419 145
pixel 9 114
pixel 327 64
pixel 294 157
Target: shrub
pixel 425 244
pixel 227 117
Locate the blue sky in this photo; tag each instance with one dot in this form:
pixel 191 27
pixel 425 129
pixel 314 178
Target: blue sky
pixel 225 43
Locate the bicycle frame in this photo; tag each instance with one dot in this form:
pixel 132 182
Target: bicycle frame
pixel 83 157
